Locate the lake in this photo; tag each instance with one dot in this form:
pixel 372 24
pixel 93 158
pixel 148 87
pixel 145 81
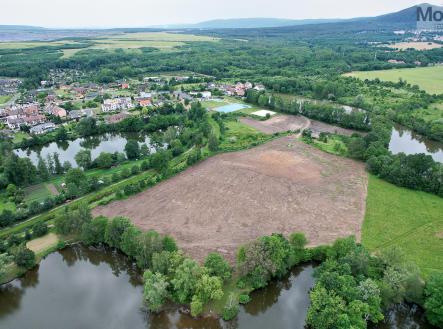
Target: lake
pixel 99 288
pixel 67 150
pixel 409 142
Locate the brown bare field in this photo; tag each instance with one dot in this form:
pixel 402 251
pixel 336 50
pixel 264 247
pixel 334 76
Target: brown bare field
pixel 283 186
pixel 278 123
pixel 415 45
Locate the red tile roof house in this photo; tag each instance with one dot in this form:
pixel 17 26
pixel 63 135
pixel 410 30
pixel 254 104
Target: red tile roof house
pixel 145 102
pixel 56 111
pixel 125 85
pixel 115 118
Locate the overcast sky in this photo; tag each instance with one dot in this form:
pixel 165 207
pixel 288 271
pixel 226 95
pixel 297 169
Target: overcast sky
pixel 141 13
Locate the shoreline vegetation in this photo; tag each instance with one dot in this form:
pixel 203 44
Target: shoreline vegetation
pixel 217 288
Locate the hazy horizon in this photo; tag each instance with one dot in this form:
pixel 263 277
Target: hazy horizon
pixel 139 13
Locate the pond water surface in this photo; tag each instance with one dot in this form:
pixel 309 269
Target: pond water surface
pixel 409 142
pixel 82 287
pixel 67 150
pixel 231 108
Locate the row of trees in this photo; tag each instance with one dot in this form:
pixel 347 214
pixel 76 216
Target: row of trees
pixel 325 112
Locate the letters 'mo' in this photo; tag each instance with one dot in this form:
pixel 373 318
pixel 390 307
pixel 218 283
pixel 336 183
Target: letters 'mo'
pixel 429 14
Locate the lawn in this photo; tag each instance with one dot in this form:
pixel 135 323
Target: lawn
pixel 409 219
pixel 19 137
pixel 334 145
pixel 37 193
pixel 5 204
pixel 429 79
pixel 4 99
pixel 239 135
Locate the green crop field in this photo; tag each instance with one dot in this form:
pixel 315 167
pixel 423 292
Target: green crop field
pixel 429 79
pixel 409 219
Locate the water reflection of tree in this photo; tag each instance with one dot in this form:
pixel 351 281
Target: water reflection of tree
pixel 91 142
pixel 430 145
pixel 64 145
pixel 265 298
pixel 172 318
pixel 118 262
pixel 10 299
pixel 31 278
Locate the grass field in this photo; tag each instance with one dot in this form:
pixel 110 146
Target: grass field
pixel 4 99
pixel 429 79
pixel 33 44
pixel 415 45
pixel 409 219
pixel 38 193
pixel 129 41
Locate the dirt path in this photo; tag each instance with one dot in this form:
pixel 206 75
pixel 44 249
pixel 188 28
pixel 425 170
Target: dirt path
pixel 283 186
pixel 52 189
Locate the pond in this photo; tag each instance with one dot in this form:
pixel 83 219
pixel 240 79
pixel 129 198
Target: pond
pixel 231 108
pixel 67 150
pixel 409 142
pixel 82 287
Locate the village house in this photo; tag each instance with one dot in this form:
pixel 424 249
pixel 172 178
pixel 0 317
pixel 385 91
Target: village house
pixel 152 79
pixel 145 99
pixel 394 61
pixel 240 89
pixel 117 104
pixel 115 118
pixel 259 87
pixel 55 110
pixel 145 102
pixel 181 79
pixel 180 95
pixel 77 114
pixel 204 94
pixel 42 128
pixel 125 85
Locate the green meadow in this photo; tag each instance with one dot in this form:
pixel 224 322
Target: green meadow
pixel 429 79
pixel 409 219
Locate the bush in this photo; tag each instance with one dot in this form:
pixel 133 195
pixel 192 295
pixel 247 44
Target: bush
pixel 114 231
pixel 169 243
pixel 94 231
pixel 218 266
pixel 155 290
pixel 148 243
pixel 231 308
pixel 39 229
pixel 196 306
pixel 24 257
pixel 244 299
pixel 434 300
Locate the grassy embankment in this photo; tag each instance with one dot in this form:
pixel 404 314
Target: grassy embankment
pixel 409 219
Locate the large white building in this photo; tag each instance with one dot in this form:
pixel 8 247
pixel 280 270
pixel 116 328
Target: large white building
pixel 117 104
